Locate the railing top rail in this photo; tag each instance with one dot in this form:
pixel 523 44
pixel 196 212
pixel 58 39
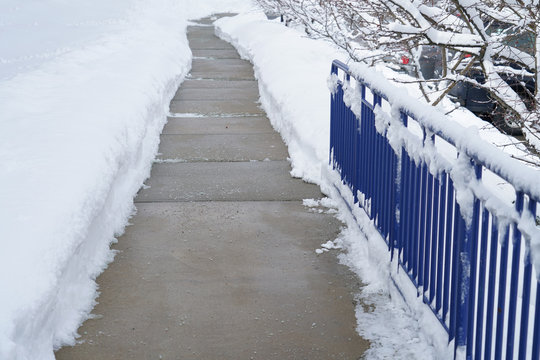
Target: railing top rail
pixel 524 179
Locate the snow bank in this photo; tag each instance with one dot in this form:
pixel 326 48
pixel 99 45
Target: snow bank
pixel 293 73
pixel 84 93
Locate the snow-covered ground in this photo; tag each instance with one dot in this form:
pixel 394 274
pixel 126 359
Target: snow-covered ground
pixel 84 94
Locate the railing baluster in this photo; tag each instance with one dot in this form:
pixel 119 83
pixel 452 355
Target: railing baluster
pixel 440 247
pixel 416 216
pixel 422 227
pixel 481 281
pixel 501 301
pixel 428 238
pixel 403 225
pixel 389 190
pixel 491 287
pixel 434 242
pixel 422 231
pixel 363 147
pixel 536 326
pixel 410 216
pixel 458 235
pixel 514 277
pixel 469 284
pixel 448 251
pixel 526 297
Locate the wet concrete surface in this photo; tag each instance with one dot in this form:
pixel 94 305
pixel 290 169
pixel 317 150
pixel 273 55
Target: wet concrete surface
pixel 217 107
pixel 224 281
pixel 225 181
pixel 218 125
pixel 220 262
pixel 216 54
pixel 223 147
pixel 203 42
pixel 243 93
pixel 218 84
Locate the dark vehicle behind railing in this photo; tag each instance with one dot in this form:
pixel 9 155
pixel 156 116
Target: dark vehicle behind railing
pixel 476 98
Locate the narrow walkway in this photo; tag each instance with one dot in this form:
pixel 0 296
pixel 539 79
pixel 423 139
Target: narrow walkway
pixel 219 262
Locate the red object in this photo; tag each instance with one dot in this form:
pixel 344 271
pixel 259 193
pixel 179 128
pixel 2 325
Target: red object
pixel 404 60
pixel 468 55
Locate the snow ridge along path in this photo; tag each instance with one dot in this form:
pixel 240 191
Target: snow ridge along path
pixel 220 260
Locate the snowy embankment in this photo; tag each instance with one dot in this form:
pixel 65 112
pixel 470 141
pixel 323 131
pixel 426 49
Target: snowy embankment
pixel 84 94
pixel 78 136
pixel 292 71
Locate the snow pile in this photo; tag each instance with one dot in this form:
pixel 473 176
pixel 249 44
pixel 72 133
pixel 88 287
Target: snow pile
pixel 84 93
pixel 292 71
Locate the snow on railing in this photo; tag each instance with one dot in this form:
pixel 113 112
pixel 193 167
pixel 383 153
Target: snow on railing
pixel 458 214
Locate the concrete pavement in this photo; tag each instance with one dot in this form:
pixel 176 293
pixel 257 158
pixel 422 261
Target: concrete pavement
pixel 220 260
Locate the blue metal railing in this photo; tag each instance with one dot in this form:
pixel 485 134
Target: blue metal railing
pixel 476 274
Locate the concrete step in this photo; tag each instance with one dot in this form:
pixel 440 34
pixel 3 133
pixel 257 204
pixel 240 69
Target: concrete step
pixel 245 93
pixel 208 43
pixel 227 73
pixel 223 147
pixel 222 181
pixel 219 84
pixel 215 54
pixel 216 107
pixel 221 66
pixel 218 125
pixel 201 30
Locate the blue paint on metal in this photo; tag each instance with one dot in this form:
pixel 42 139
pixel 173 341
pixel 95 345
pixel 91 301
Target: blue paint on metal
pixel 422 226
pixel 417 183
pixel 459 269
pixel 435 244
pixel 481 280
pixel 501 301
pixel 526 297
pixel 440 247
pixel 448 250
pixel 536 327
pixel 470 279
pixel 458 235
pixel 491 287
pixel 514 277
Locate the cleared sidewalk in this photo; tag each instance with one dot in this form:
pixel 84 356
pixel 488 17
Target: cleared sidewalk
pixel 219 262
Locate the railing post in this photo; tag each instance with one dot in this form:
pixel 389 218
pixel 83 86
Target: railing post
pixel 514 278
pixel 398 178
pixel 333 116
pixel 526 293
pixel 466 267
pixel 473 239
